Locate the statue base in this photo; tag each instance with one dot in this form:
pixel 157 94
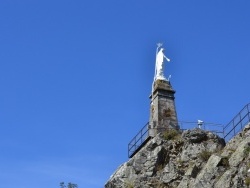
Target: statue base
pixel 162 112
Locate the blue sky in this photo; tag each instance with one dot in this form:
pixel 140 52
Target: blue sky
pixel 75 79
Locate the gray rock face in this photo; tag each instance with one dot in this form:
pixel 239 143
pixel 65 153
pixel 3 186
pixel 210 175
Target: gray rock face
pixel 195 159
pixel 194 136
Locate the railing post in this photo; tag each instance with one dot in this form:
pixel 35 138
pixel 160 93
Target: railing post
pixel 138 140
pixel 142 135
pixel 234 123
pixel 240 122
pixel 248 112
pixel 234 127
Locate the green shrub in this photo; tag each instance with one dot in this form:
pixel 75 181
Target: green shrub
pixel 247 181
pixel 128 184
pixel 231 150
pixel 159 167
pixel 248 165
pixel 225 162
pixel 204 155
pixel 246 151
pixel 171 134
pixel 160 185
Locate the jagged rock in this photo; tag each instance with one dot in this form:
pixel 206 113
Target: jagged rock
pixel 225 179
pixel 197 141
pixel 194 136
pixel 239 154
pixel 164 162
pixel 170 173
pixel 233 144
pixel 192 171
pixel 207 175
pixel 185 162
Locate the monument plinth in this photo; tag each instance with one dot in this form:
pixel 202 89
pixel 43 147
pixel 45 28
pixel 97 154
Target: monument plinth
pixel 162 108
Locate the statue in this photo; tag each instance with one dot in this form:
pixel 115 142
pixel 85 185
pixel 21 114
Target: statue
pixel 159 65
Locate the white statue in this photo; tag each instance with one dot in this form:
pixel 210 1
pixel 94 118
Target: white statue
pixel 159 65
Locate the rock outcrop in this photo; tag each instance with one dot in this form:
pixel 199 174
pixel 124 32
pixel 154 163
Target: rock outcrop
pixel 196 159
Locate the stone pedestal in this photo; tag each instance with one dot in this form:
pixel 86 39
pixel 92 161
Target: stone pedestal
pixel 162 108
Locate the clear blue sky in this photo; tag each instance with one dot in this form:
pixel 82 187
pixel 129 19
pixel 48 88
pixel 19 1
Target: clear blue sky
pixel 75 79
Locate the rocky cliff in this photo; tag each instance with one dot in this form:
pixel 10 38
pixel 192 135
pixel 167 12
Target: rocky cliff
pixel 195 158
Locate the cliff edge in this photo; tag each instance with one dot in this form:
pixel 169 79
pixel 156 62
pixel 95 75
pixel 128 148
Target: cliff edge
pixel 196 158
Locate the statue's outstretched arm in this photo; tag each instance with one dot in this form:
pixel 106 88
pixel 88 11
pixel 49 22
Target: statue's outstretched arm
pixel 166 58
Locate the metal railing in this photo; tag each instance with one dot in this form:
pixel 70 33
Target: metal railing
pixel 237 123
pixel 143 135
pixel 227 132
pixel 138 141
pixel 212 127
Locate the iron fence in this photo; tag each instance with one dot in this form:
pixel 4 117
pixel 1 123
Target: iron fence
pixel 237 123
pixel 143 135
pixel 226 132
pixel 138 141
pixel 212 127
